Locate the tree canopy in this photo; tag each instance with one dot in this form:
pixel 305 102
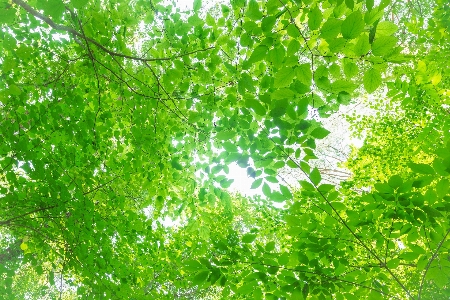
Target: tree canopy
pixel 119 121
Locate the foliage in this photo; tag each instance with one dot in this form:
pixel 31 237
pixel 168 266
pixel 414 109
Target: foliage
pixel 119 117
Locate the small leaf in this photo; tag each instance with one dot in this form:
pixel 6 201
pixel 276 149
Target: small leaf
pixel 266 190
pixel 385 28
pixel 200 277
pixel 267 23
pixel 256 183
pixel 338 205
pixel 304 74
pixel 353 25
pixel 293 47
pixel 23 246
pixel 271 179
pixel 256 106
pixel 270 246
pixel 383 188
pixel 350 69
pixel 350 4
pixel 320 133
pixel 176 165
pixel 79 4
pixel 384 45
pixel 362 46
pixel 442 188
pixel 225 135
pixel 284 77
pixel 197 5
pixel 248 238
pixel 395 181
pixel 258 54
pixel 421 168
pixel 285 191
pixel 226 183
pixel 314 18
pixel 331 28
pixel 253 11
pixel 306 185
pixel 393 263
pixel 315 176
pixel 372 80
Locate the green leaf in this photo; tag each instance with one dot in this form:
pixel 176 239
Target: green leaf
pixel 292 31
pixel 314 18
pixel 353 25
pixel 384 188
pixel 393 263
pixel 176 165
pixel 306 185
pixel 256 183
pixel 200 277
pixel 225 135
pixel 384 45
pixel 266 190
pixel 369 4
pixel 304 74
pixel 270 246
pixel 248 238
pixel 338 205
pixel 253 11
pixel 79 4
pixel 54 8
pixel 315 176
pixel 268 23
pixel 271 179
pixel 331 28
pixel 362 46
pixel 285 191
pixel 372 80
pixel 320 133
pixel 258 54
pixel 350 69
pixel 395 181
pixel 442 187
pixel 256 106
pixel 293 47
pixel 197 5
pixel 284 77
pixel 225 183
pixel 421 168
pixel 385 28
pixel 276 56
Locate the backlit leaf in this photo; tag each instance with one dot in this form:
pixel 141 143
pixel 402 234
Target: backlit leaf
pixel 353 25
pixel 284 77
pixel 314 18
pixel 372 80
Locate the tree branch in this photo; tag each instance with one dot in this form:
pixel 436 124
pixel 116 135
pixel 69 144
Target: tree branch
pixel 68 29
pixel 429 263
